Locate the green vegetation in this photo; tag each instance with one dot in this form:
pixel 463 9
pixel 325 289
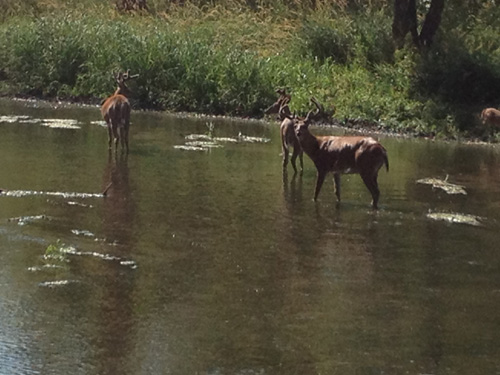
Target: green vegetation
pixel 57 252
pixel 228 57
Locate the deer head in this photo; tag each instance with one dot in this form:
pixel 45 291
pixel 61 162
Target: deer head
pixel 121 78
pixel 320 115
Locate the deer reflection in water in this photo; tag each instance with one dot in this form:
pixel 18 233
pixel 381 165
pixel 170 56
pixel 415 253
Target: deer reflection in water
pixel 119 204
pixel 116 322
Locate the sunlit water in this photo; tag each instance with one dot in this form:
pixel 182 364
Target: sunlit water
pixel 204 259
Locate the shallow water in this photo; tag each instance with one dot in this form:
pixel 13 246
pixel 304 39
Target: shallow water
pixel 212 262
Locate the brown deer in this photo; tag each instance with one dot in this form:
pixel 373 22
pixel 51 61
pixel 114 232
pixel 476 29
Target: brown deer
pixel 287 132
pixel 116 112
pixel 354 154
pixel 490 116
pixel 283 99
pixel 288 139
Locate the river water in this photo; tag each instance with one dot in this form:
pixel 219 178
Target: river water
pixel 210 261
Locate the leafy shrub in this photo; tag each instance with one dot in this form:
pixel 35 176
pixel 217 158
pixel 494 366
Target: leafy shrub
pixel 374 38
pixel 326 40
pixel 452 74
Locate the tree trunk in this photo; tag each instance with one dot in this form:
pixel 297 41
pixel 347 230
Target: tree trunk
pixel 431 23
pixel 405 21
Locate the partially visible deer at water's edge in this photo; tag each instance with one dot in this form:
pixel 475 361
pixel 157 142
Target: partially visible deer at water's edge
pixel 282 100
pixel 491 116
pixel 116 112
pixel 352 154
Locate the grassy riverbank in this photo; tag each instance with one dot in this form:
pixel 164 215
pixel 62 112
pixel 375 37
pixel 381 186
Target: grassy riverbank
pixel 229 58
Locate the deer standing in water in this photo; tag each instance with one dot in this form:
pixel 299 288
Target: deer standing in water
pixel 352 154
pixel 116 112
pixel 287 133
pixel 288 139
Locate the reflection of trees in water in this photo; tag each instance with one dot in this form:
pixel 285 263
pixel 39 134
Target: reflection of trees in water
pixel 116 315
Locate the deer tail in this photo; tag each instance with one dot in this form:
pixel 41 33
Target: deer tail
pixel 386 160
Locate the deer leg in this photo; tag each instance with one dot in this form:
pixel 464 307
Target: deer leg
pixel 285 157
pixel 301 159
pixel 116 135
pixel 126 137
pixel 336 180
pixel 110 135
pixel 372 185
pixel 319 182
pixel 122 133
pixel 294 158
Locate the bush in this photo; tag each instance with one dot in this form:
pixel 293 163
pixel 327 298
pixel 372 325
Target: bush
pixel 454 75
pixel 227 59
pixel 326 40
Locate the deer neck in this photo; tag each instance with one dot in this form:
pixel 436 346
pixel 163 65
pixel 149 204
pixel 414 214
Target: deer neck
pixel 121 91
pixel 310 144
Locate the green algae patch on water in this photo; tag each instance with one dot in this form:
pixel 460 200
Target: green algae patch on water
pixel 61 124
pixel 444 185
pixel 25 193
pixel 57 123
pixel 57 283
pixel 23 220
pixel 456 218
pixel 204 142
pixel 13 119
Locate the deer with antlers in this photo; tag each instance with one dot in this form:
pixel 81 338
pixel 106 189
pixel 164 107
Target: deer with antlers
pixel 352 154
pixel 283 99
pixel 116 112
pixel 287 133
pixel 288 139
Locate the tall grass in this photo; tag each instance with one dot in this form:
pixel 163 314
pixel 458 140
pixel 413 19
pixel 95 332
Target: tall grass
pixel 227 58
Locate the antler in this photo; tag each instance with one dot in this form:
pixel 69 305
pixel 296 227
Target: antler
pixel 320 113
pixel 122 77
pixel 320 109
pixel 309 116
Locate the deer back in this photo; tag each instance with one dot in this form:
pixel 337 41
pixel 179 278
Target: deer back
pixel 490 116
pixel 117 106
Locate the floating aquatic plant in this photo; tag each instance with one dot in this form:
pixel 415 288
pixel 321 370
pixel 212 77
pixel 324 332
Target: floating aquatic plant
pixel 204 144
pixel 24 193
pixel 211 129
pixel 23 220
pixel 60 123
pixel 100 123
pixel 57 252
pixel 57 283
pixel 84 233
pixel 456 218
pixel 190 148
pixel 249 139
pixel 13 119
pixel 444 185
